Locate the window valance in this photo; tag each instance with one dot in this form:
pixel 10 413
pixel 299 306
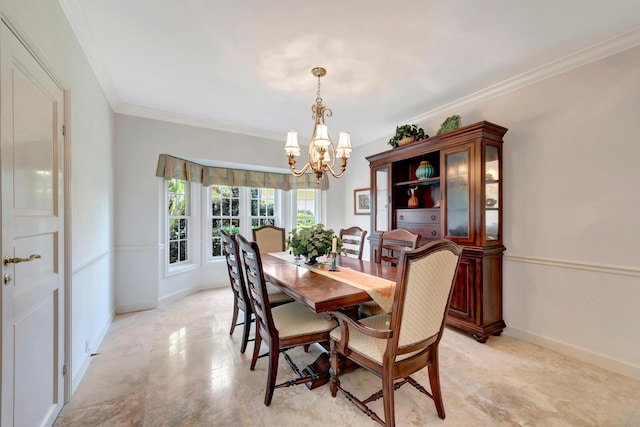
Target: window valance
pixel 170 167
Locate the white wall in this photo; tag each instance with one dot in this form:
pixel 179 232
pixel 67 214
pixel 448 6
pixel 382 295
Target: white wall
pixel 44 28
pixel 571 203
pixel 141 276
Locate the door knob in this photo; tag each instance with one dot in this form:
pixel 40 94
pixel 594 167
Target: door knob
pixel 8 260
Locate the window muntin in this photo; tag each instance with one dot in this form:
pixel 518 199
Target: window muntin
pixel 263 207
pixel 179 215
pixel 225 214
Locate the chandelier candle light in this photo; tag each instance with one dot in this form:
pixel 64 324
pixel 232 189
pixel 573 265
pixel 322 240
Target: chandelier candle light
pixel 322 154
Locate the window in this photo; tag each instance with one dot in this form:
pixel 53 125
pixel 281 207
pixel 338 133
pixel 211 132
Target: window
pixel 263 210
pixel 306 212
pixel 241 209
pixel 191 214
pixel 225 214
pixel 178 203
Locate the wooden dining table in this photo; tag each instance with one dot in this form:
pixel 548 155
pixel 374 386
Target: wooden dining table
pixel 322 293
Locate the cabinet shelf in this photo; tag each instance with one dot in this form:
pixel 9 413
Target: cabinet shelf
pixel 429 181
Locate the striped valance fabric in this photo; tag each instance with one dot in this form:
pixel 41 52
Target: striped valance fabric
pixel 170 167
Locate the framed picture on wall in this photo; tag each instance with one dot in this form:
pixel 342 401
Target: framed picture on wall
pixel 362 201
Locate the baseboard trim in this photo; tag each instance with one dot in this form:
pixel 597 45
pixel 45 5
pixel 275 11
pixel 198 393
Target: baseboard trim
pixel 132 308
pixel 599 360
pixel 176 296
pixel 75 380
pixel 600 268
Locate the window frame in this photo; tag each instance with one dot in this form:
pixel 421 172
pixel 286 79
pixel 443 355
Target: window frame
pixel 192 252
pixel 199 245
pixel 245 217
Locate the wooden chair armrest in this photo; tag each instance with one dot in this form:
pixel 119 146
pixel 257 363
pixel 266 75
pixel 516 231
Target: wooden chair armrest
pixel 345 322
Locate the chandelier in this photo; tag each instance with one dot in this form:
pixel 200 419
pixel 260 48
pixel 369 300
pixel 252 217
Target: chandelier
pixel 322 154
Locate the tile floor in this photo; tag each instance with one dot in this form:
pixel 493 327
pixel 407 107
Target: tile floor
pixel 178 366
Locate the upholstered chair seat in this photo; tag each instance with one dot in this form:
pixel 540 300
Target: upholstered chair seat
pixel 295 319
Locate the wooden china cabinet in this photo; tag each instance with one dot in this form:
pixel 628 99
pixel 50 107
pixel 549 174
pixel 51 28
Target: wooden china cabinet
pixel 461 202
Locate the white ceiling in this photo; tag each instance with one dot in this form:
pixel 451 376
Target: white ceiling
pixel 244 65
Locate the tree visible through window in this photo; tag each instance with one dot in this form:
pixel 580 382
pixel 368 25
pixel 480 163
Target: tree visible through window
pixel 179 215
pixel 263 207
pixel 306 207
pixel 225 214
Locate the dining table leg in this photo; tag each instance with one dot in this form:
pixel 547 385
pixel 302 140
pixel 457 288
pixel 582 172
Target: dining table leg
pixel 322 364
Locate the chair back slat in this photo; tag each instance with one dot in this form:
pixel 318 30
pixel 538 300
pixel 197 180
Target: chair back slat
pixel 256 285
pixel 392 243
pixel 353 241
pixel 236 275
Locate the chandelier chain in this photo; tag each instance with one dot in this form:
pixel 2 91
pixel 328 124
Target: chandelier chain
pixel 318 98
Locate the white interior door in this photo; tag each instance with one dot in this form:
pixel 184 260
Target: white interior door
pixel 31 115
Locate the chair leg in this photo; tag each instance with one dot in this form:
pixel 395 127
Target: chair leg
pixel 272 373
pixel 247 328
pixel 256 349
pixel 234 318
pixel 334 370
pixel 434 380
pixel 388 398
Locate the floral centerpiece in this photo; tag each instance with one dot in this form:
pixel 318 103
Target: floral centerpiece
pixel 312 242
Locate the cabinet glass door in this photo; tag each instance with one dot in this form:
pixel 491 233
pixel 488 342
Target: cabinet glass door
pixel 492 193
pixel 457 184
pixel 382 199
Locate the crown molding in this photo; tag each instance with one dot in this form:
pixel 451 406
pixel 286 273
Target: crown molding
pixel 183 119
pixel 79 26
pixel 598 51
pixel 572 61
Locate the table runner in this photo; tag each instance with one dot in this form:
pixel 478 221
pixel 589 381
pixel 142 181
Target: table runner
pixel 379 289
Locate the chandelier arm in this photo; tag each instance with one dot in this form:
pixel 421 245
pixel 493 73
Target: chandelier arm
pixel 292 165
pixel 300 172
pixel 343 168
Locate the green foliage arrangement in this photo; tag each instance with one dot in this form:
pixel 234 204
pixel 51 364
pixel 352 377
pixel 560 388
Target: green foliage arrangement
pixel 451 123
pixel 312 242
pixel 406 131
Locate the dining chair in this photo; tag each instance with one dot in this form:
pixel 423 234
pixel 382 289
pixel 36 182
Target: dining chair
pixel 269 238
pixel 393 346
pixel 353 241
pixel 282 327
pixel 390 245
pixel 241 300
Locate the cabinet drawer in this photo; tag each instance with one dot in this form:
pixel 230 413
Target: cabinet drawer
pixel 418 216
pixel 426 232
